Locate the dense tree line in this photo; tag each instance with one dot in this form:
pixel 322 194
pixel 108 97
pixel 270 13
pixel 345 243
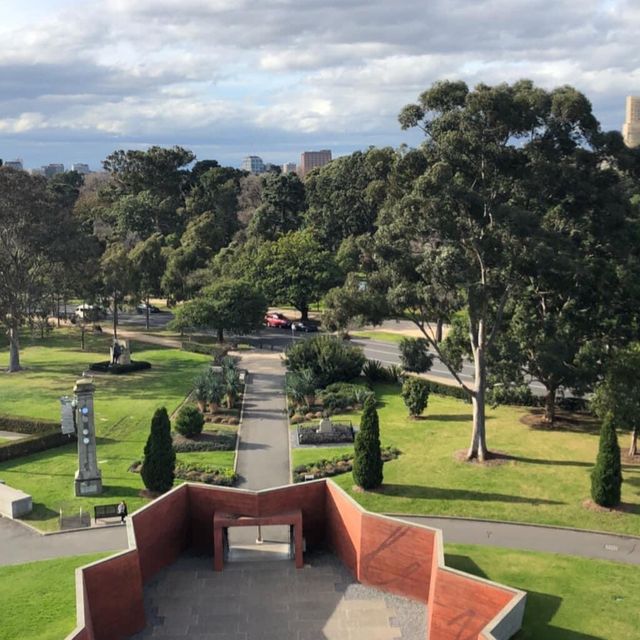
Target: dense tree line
pixel 516 222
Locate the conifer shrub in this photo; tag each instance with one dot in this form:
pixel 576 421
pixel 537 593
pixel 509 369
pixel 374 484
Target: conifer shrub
pixel 606 476
pixel 158 466
pixel 367 460
pixel 415 393
pixel 189 422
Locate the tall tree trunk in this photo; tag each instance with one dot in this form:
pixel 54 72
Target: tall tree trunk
pixel 58 310
pixel 220 335
pixel 147 312
pixel 115 318
pixel 550 405
pixel 439 323
pixel 478 447
pixel 633 449
pixel 304 312
pixel 14 348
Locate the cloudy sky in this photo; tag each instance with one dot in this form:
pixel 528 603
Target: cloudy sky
pixel 228 78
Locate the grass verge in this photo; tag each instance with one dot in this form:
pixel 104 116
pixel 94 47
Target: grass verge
pixel 39 598
pixel 568 598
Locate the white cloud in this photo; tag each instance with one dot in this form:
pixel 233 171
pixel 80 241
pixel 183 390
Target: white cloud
pixel 289 71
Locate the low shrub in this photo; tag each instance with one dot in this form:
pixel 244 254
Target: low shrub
pixel 206 474
pixel 343 395
pixel 375 371
pixel 415 393
pixel 327 358
pixel 216 351
pixel 449 390
pixel 341 464
pixel 119 369
pixel 189 422
pixel 216 441
pixel 508 394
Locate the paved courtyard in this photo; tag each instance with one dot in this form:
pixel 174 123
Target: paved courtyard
pixel 274 601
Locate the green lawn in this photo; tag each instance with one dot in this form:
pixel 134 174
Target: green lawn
pixel 546 481
pixel 568 598
pixel 123 405
pixel 39 599
pixel 382 336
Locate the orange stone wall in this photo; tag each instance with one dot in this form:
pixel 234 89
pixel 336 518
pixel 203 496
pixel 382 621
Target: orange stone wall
pixel 386 553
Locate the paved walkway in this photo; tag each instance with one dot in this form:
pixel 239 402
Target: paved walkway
pixel 263 453
pixel 20 544
pixel 272 601
pixel 587 544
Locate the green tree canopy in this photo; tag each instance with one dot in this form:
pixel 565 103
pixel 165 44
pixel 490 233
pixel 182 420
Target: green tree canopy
pixel 236 306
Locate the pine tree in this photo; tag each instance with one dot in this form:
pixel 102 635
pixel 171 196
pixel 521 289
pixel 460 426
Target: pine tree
pixel 159 457
pixel 367 461
pixel 606 477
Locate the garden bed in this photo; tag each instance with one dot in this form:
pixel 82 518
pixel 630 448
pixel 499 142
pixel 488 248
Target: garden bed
pixel 218 440
pixel 335 466
pixel 119 369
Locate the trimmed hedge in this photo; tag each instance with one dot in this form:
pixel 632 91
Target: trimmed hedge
pixel 34 444
pixel 216 351
pixel 222 442
pixel 119 369
pixel 26 425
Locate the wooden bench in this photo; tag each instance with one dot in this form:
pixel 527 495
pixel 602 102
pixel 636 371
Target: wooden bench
pixel 102 511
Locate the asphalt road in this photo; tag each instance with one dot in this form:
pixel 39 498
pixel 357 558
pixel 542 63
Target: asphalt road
pixel 279 339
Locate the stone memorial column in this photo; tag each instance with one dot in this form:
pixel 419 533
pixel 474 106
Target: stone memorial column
pixel 88 479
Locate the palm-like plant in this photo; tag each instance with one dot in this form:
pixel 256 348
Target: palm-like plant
pixel 215 390
pixel 201 390
pixel 301 387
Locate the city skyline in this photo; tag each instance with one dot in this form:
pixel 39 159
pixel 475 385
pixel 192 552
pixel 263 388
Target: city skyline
pixel 79 80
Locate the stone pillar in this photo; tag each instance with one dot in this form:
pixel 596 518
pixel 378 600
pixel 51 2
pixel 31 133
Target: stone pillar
pixel 88 479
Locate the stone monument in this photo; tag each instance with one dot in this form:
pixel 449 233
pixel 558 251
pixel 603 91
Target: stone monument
pixel 88 479
pixel 325 425
pixel 123 350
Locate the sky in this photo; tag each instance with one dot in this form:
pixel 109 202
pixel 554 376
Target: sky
pixel 229 78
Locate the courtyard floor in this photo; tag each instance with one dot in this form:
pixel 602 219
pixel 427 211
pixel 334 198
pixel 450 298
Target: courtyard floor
pixel 274 601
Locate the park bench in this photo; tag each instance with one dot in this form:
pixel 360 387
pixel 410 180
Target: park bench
pixel 102 511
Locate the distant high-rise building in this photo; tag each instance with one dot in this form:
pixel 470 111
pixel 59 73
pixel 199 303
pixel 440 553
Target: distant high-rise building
pixel 313 159
pixel 37 172
pixel 631 128
pixel 53 169
pixel 253 164
pixel 289 167
pixel 14 164
pixel 81 167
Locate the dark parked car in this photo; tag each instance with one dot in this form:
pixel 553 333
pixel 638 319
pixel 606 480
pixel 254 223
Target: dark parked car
pixel 277 320
pixel 304 325
pixel 142 308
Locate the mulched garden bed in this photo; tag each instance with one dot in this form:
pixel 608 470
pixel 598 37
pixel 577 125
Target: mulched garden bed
pixel 206 441
pixel 340 434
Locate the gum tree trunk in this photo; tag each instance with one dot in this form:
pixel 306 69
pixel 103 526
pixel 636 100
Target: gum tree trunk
pixel 633 449
pixel 478 446
pixel 14 349
pixel 550 405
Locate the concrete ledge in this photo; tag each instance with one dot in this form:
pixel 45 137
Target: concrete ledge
pixel 14 503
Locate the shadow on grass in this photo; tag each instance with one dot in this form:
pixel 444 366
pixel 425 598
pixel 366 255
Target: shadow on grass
pixel 539 611
pixel 555 463
pixel 461 417
pixel 418 492
pixel 41 512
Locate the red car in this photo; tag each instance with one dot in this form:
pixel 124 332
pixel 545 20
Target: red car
pixel 277 320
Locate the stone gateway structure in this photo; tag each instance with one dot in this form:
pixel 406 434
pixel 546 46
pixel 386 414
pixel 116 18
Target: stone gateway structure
pixel 386 553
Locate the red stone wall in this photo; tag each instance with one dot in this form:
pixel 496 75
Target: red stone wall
pixel 114 600
pixel 161 530
pixel 396 556
pixel 344 527
pixel 462 606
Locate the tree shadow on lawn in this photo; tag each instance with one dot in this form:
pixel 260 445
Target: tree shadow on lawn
pixel 555 463
pixel 539 610
pixel 461 417
pixel 438 493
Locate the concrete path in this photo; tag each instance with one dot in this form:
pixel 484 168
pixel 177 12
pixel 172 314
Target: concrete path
pixel 263 453
pixel 587 544
pixel 19 544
